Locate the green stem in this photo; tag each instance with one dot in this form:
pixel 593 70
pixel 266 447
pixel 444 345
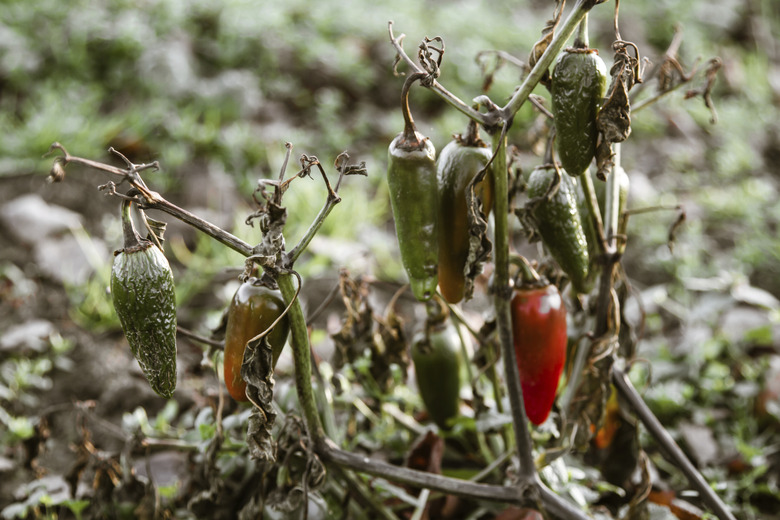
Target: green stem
pixel 410 132
pixel 445 94
pixel 483 446
pixel 356 488
pixel 503 295
pixel 302 359
pixel 582 41
pixel 491 372
pixel 301 246
pixel 215 232
pixel 130 235
pixel 528 476
pixel 324 397
pixel 420 479
pixel 528 274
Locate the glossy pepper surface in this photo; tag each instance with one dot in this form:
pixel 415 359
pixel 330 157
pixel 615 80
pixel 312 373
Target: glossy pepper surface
pixel 145 300
pixel 579 82
pixel 411 177
pixel 457 165
pixel 559 223
pixel 252 310
pixel 436 359
pixel 539 336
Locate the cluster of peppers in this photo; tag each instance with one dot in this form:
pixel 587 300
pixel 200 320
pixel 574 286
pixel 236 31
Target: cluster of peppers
pixel 428 196
pixel 144 298
pixel 429 202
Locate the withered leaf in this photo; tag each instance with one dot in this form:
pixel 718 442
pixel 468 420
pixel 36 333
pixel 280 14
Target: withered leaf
pixel 614 118
pixel 426 453
pixel 257 371
pixel 587 409
pixel 480 245
pixel 604 159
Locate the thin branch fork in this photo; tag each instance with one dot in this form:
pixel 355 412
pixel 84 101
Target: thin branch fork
pixel 152 199
pixel 452 99
pixel 498 116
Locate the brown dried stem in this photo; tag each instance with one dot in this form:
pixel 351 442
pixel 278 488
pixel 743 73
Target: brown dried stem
pixel 149 199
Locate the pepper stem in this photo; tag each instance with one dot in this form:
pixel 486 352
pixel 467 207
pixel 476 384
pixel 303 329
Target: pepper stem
pixel 527 273
pixel 131 237
pixel 471 137
pixel 410 131
pixel 581 40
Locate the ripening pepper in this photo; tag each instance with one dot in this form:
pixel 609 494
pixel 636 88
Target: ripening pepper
pixel 457 165
pixel 436 358
pixel 579 82
pixel 560 225
pixel 539 337
pixel 145 300
pixel 411 177
pixel 252 310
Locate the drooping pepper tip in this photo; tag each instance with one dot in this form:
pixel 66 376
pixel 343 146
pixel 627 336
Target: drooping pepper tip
pixel 423 288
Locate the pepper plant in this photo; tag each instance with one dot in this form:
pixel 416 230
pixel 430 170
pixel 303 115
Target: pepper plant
pixel 584 235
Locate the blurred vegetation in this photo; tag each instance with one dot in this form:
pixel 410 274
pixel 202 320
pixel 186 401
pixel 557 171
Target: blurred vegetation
pixel 213 89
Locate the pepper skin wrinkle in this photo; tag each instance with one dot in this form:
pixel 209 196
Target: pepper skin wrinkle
pixel 579 82
pixel 145 300
pixel 560 225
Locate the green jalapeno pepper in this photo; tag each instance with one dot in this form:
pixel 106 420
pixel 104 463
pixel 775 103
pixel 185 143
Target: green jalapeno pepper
pixel 436 358
pixel 411 176
pixel 145 300
pixel 558 221
pixel 579 82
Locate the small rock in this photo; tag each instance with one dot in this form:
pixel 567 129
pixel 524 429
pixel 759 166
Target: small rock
pixel 66 260
pixel 30 219
pixel 6 464
pixel 700 442
pixel 33 334
pixel 737 322
pixel 167 468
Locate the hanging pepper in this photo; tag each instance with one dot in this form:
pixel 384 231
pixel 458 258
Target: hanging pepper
pixel 539 336
pixel 457 166
pixel 145 301
pixel 411 176
pixel 437 359
pixel 252 310
pixel 559 224
pixel 579 82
